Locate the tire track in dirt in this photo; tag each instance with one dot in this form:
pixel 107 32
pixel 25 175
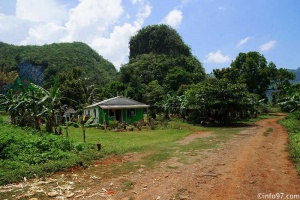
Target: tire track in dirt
pixel 245 166
pixel 261 166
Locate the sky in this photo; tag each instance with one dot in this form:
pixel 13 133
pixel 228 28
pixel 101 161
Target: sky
pixel 215 30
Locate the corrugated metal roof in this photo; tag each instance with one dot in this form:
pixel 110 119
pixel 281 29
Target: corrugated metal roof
pixel 118 103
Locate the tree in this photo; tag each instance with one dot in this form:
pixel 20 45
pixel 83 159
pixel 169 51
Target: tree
pixel 158 39
pixel 282 78
pixel 159 55
pixel 112 89
pixel 154 92
pixel 169 72
pixel 252 69
pixel 219 99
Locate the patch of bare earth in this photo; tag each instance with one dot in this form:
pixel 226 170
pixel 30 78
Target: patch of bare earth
pixel 194 136
pixel 242 168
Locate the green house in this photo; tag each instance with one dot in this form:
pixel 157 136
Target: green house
pixel 119 108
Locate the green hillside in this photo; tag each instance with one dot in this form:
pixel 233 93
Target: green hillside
pixel 57 58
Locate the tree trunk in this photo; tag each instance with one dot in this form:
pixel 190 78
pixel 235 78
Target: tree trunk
pixel 49 126
pixel 67 132
pixel 83 131
pixel 37 123
pixel 166 117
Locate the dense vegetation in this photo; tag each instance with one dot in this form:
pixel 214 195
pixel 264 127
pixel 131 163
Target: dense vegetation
pixel 292 123
pixel 58 58
pixel 253 69
pixel 25 152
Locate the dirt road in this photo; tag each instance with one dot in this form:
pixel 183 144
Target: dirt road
pixel 254 164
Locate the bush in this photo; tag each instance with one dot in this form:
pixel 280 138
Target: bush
pixel 113 124
pixel 291 123
pixel 29 153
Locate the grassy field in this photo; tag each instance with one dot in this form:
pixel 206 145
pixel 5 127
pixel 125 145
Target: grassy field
pixel 19 150
pixel 158 145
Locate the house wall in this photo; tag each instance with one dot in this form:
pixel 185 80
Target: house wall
pixel 126 115
pixel 93 112
pixel 139 115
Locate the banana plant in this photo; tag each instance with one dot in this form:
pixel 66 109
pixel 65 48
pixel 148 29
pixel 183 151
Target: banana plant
pixel 51 105
pixel 83 124
pixel 9 101
pixel 290 103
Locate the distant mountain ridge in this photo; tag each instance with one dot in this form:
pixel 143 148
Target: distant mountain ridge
pixel 57 58
pixel 297 72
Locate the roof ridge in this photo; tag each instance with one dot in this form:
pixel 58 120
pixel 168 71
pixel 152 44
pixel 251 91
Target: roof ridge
pixel 113 98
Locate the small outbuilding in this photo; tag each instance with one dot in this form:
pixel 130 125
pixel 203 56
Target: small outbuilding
pixel 119 108
pixel 69 114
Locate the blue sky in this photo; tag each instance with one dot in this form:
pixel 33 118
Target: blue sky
pixel 216 30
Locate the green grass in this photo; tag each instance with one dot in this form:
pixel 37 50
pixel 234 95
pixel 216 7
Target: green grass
pixel 3 116
pixel 266 133
pixel 135 141
pixel 157 145
pixel 259 117
pixel 291 123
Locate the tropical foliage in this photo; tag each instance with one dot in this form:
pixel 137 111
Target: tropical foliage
pixel 253 70
pixel 31 103
pixel 220 100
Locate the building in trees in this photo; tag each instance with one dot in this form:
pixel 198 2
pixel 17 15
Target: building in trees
pixel 116 109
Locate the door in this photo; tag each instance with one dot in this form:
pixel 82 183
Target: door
pixel 119 115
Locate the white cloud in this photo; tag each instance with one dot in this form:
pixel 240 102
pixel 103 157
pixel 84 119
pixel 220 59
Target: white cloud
pixel 115 46
pixel 174 18
pixel 41 11
pixel 44 34
pixel 92 17
pixel 102 24
pixel 144 12
pixel 267 46
pixel 244 41
pixel 8 27
pixel 216 57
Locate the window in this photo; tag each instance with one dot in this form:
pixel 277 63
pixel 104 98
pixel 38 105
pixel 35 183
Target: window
pixel 132 112
pixel 111 113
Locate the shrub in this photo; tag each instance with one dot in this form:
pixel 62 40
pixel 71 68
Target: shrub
pixel 113 124
pixel 25 152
